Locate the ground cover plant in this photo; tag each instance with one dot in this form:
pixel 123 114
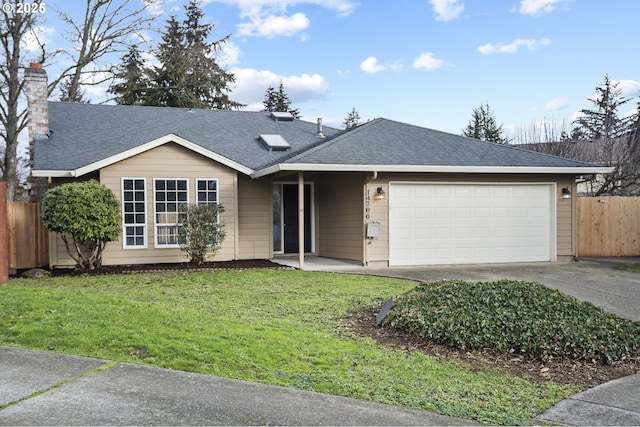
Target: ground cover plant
pixel 524 319
pixel 630 266
pixel 283 327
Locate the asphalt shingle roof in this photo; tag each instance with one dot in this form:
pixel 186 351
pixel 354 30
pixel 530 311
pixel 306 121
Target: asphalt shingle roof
pixel 388 142
pixel 82 134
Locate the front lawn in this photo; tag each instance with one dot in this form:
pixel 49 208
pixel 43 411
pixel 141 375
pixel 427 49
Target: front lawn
pixel 281 327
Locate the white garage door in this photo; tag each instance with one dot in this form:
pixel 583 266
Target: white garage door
pixel 469 223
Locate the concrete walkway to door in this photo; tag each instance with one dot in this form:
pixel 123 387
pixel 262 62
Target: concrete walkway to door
pixel 594 280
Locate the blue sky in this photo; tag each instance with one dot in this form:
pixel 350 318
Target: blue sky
pixel 424 62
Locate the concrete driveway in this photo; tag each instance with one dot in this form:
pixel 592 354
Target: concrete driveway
pixel 593 280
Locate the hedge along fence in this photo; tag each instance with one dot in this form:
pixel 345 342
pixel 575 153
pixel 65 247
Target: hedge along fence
pixel 608 226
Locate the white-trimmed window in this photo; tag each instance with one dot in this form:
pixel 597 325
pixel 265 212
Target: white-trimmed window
pixel 134 213
pixel 207 191
pixel 169 194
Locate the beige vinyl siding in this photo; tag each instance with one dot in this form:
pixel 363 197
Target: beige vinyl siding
pixel 166 161
pixel 566 226
pixel 340 216
pixel 254 218
pixel 377 252
pixel 377 249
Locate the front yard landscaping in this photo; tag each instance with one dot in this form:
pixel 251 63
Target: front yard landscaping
pixel 282 327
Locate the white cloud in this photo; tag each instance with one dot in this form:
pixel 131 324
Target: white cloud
pixel 40 35
pixel 530 44
pixel 252 84
pixel 629 88
pixel 556 104
pixel 371 66
pixel 272 26
pixel 268 18
pixel 446 10
pixel 427 62
pixel 540 7
pixel 230 54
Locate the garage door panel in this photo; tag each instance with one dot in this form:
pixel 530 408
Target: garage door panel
pixel 468 223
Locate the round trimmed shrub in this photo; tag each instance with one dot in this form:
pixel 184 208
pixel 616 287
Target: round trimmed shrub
pixel 89 213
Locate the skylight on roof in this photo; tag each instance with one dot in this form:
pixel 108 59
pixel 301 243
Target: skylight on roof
pixel 274 142
pixel 282 116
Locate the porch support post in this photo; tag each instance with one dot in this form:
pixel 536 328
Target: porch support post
pixel 301 219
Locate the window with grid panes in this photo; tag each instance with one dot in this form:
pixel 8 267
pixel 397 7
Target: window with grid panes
pixel 169 195
pixel 134 213
pixel 207 191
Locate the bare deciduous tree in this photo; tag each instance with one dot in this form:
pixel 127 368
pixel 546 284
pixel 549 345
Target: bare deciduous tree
pixel 108 26
pixel 14 27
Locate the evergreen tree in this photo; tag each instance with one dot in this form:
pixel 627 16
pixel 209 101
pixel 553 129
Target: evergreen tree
pixel 279 101
pixel 603 122
pixel 67 94
pixel 614 141
pixel 352 120
pixel 131 75
pixel 189 76
pixel 483 126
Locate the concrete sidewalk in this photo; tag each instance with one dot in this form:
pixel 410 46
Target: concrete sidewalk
pixel 615 403
pixel 39 388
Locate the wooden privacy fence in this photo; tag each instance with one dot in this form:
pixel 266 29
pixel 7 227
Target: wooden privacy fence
pixel 28 238
pixel 608 226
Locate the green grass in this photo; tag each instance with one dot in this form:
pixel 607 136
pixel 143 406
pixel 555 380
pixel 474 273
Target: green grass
pixel 630 266
pixel 273 326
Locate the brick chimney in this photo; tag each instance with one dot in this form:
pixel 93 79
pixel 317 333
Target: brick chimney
pixel 37 91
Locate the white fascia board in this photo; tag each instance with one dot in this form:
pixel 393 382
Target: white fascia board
pixel 313 167
pixel 146 147
pixel 52 174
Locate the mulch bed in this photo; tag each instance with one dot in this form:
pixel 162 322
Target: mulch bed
pixel 562 371
pixel 207 266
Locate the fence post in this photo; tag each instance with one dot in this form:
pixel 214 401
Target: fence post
pixel 4 235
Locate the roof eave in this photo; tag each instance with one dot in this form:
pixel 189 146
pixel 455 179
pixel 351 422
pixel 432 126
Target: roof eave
pixel 315 167
pixel 53 173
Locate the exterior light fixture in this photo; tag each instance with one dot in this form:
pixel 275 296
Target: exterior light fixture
pixel 379 193
pixel 566 194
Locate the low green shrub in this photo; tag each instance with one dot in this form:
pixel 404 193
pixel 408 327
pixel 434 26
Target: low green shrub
pixel 527 319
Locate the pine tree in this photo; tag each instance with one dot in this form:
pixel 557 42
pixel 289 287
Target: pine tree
pixel 279 101
pixel 132 79
pixel 483 126
pixel 67 94
pixel 352 120
pixel 189 76
pixel 603 122
pixel 614 141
